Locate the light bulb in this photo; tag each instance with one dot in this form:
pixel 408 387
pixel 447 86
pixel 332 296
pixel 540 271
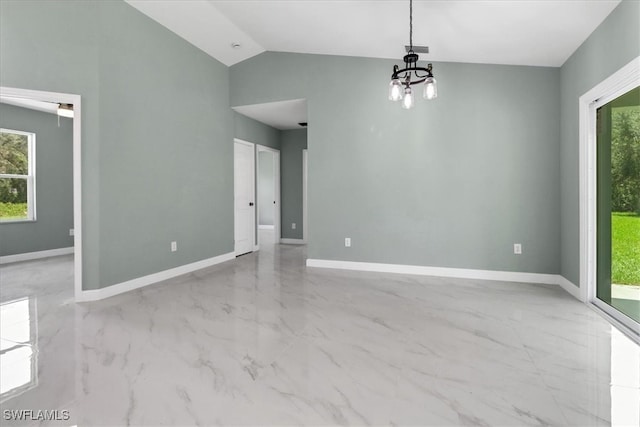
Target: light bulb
pixel 407 101
pixel 395 90
pixel 430 88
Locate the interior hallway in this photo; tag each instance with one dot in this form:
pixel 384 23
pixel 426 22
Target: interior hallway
pixel 263 340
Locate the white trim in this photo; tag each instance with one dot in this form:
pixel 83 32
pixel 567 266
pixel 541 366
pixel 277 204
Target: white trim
pixel 305 195
pixel 570 287
pixel 620 82
pixel 76 100
pixel 10 175
pixel 285 241
pixel 140 282
pixel 266 227
pixel 464 273
pixel 27 256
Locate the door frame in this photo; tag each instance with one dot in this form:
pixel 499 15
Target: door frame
pixel 620 82
pixel 305 195
pixel 276 190
pixel 76 100
pixel 253 191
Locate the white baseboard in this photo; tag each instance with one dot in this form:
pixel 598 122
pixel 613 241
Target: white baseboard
pixel 130 285
pixel 266 227
pixel 292 241
pixel 463 273
pixel 35 255
pixel 568 286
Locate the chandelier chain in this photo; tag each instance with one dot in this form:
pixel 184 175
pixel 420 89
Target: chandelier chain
pixel 410 24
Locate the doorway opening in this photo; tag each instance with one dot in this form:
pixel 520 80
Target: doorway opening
pixel 284 136
pixel 600 243
pixel 268 195
pixel 69 103
pixel 618 203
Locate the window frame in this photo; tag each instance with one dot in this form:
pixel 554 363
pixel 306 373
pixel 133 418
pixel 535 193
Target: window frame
pixel 30 177
pixel 618 83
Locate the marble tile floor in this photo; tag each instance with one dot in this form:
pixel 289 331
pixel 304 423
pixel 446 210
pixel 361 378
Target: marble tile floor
pixel 263 340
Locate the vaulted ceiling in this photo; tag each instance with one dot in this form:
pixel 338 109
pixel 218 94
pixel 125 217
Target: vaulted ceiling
pixel 519 32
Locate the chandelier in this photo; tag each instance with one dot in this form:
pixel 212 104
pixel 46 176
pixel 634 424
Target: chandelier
pixel 411 74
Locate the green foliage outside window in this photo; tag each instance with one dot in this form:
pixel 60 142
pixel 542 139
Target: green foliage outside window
pixel 14 160
pixel 625 160
pixel 625 195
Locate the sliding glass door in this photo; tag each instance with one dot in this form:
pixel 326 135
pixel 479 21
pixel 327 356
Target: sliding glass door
pixel 618 204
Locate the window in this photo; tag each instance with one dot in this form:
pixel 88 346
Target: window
pixel 17 176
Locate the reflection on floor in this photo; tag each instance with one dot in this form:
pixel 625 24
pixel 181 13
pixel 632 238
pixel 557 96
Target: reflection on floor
pixel 626 299
pixel 266 239
pixel 262 340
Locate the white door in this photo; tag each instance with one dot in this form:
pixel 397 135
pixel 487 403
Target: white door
pixel 244 183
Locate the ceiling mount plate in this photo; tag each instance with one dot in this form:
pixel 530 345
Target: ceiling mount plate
pixel 418 49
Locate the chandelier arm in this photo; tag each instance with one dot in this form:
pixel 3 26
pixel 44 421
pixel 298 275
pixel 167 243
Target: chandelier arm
pixel 402 73
pixel 416 82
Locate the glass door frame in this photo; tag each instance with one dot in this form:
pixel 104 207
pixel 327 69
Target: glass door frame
pixel 622 81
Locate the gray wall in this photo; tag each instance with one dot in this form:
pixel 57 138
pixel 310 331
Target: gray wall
pixel 293 142
pixel 157 131
pixel 266 187
pixel 251 130
pixel 451 183
pixel 54 183
pixel 611 46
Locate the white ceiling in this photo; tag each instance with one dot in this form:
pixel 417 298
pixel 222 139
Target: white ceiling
pixel 32 104
pixel 203 25
pixel 516 32
pixel 519 32
pixel 281 115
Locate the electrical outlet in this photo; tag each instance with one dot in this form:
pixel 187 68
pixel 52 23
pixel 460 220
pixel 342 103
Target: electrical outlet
pixel 71 232
pixel 517 248
pixel 174 246
pixel 293 225
pixel 347 242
